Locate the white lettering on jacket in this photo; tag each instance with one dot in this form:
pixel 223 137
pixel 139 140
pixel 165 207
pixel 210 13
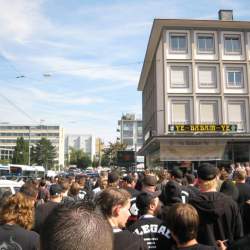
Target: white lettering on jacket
pixel 153 228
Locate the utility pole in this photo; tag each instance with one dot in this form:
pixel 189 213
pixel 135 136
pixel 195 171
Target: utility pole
pixel 29 146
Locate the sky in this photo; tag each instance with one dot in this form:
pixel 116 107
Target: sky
pixel 77 63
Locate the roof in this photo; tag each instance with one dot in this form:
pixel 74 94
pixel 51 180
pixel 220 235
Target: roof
pixel 159 24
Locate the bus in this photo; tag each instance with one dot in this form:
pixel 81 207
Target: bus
pixel 4 170
pixel 27 171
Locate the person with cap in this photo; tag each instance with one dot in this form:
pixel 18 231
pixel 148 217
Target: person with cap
pixel 42 211
pixel 155 233
pixel 219 215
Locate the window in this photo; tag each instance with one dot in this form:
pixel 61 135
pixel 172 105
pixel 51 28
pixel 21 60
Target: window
pixel 205 43
pixel 207 76
pixel 234 77
pixel 178 43
pixel 179 77
pixel 180 112
pixel 236 114
pixel 232 44
pixel 209 112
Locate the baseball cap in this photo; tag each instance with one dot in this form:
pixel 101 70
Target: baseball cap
pixel 55 189
pixel 207 171
pixel 145 198
pixel 149 180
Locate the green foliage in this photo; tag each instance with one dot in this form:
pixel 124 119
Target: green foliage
pixel 95 162
pixel 110 153
pixel 44 153
pixel 21 152
pixel 79 158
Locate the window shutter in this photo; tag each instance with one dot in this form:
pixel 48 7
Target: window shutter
pixel 208 113
pixel 179 76
pixel 180 113
pixel 207 76
pixel 236 114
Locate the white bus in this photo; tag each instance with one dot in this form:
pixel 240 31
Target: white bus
pixel 4 170
pixel 27 171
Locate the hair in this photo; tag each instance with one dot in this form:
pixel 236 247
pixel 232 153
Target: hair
pixel 65 185
pixel 19 209
pixel 206 185
pixel 29 189
pixel 42 183
pixel 75 226
pixel 240 175
pixel 183 221
pixel 74 189
pixel 143 206
pixel 111 197
pixel 190 178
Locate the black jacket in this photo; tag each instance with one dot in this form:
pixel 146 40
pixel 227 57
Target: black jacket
pixel 125 240
pixel 219 218
pixel 154 232
pixel 16 237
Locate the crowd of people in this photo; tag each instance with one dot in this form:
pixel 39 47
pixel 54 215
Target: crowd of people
pixel 205 210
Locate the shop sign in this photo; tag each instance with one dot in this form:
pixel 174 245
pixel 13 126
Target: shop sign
pixel 224 128
pixel 192 150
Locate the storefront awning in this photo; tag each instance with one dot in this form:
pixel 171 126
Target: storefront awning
pixel 192 150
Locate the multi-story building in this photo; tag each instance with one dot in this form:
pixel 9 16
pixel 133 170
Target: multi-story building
pixel 195 90
pixel 99 146
pixel 130 130
pixel 32 134
pixel 84 142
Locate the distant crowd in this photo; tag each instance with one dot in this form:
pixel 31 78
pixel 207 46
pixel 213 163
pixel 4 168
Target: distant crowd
pixel 162 210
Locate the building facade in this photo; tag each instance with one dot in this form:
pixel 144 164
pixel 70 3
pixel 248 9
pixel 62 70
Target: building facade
pixel 195 91
pixel 130 132
pixel 85 142
pixel 99 147
pixel 32 134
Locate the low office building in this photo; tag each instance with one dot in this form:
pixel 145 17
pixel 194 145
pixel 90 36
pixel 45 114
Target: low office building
pixel 195 91
pixel 32 134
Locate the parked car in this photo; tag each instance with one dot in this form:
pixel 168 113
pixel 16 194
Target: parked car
pixel 9 186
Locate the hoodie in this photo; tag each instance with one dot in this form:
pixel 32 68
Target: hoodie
pixel 219 218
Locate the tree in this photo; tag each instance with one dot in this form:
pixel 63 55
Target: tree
pixel 21 152
pixel 110 153
pixel 44 153
pixel 95 162
pixel 79 158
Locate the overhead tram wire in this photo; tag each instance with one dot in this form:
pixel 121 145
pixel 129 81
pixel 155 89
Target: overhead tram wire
pixel 18 108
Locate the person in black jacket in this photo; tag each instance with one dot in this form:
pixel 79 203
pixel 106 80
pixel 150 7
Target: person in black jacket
pixel 16 221
pixel 154 231
pixel 220 217
pixel 114 203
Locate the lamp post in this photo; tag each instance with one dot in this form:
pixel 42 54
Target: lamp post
pixel 29 147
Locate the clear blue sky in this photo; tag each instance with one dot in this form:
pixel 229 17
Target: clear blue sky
pixel 93 52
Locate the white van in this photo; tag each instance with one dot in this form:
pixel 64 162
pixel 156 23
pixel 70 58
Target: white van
pixel 9 186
